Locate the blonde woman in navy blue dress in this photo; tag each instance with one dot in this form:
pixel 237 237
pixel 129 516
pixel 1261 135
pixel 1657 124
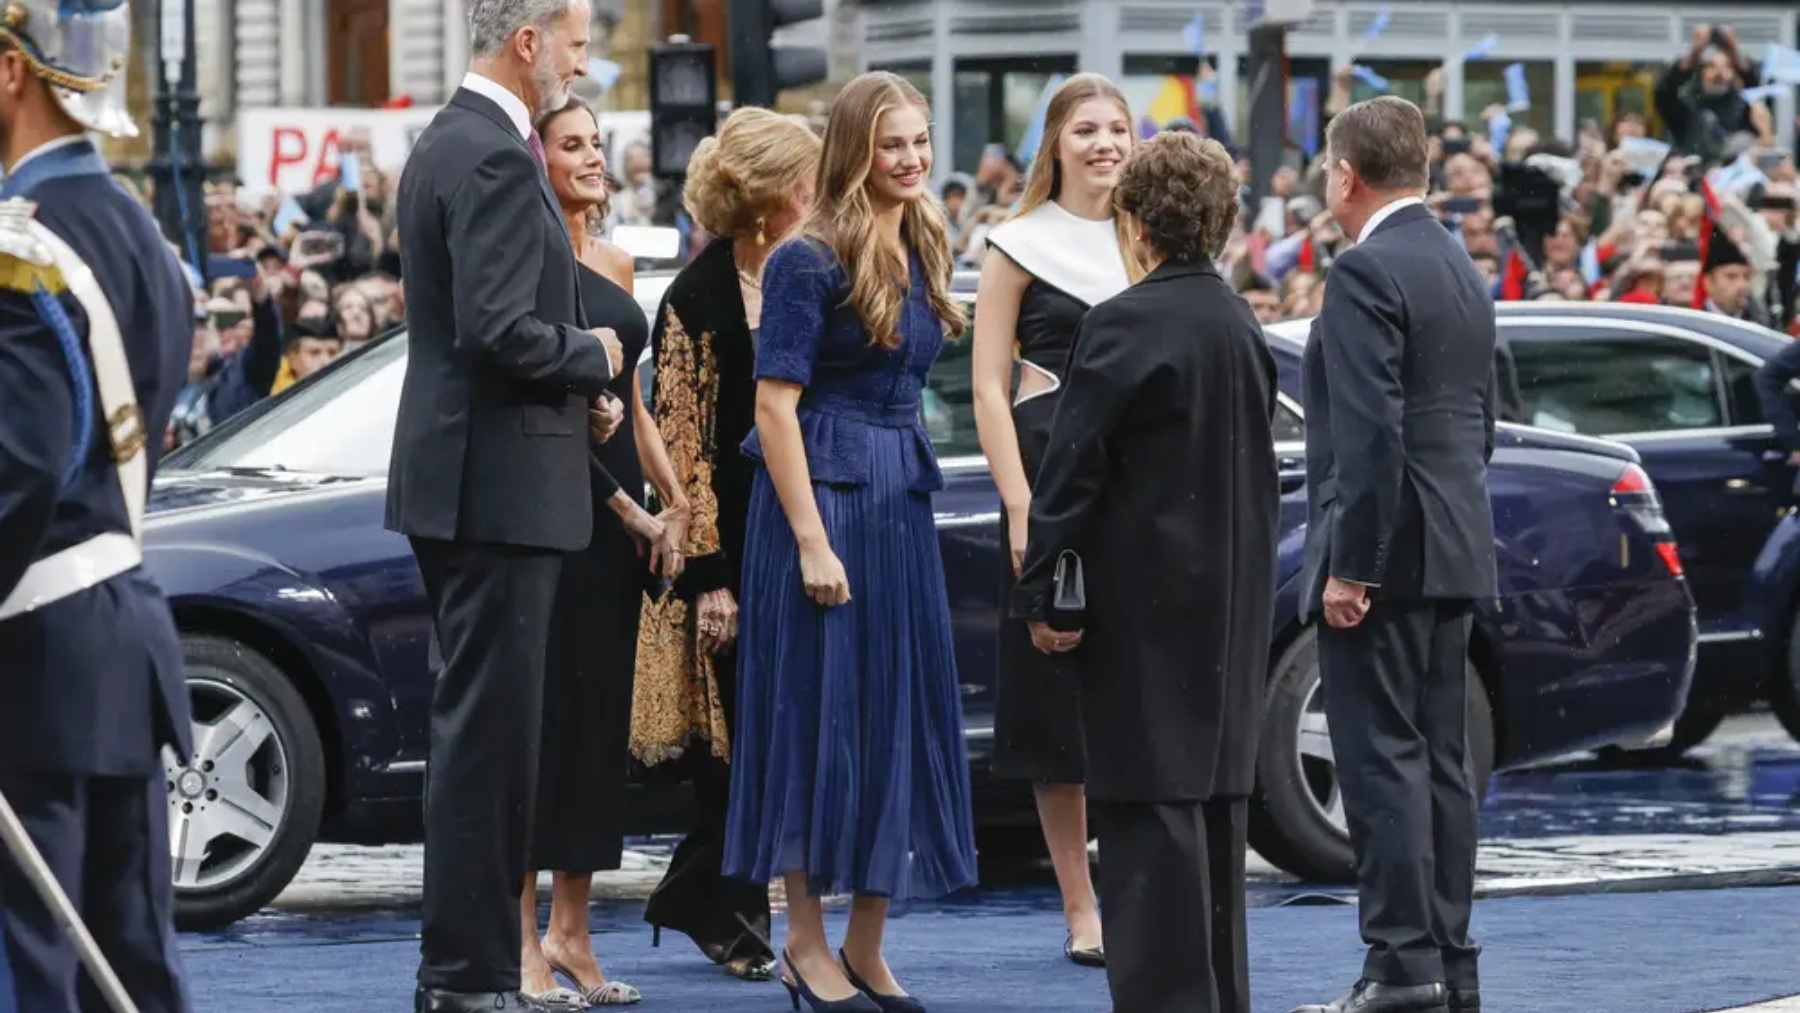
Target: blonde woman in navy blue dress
pixel 849 771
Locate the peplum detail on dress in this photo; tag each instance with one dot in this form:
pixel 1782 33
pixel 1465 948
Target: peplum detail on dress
pixel 840 433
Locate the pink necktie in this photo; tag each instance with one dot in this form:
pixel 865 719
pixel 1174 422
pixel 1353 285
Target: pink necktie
pixel 536 144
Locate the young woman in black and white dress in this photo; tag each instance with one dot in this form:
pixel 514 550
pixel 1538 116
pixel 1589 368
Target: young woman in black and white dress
pixel 1059 255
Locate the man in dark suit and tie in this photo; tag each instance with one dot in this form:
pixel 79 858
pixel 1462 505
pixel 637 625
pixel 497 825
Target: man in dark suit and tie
pixel 489 476
pixel 1399 543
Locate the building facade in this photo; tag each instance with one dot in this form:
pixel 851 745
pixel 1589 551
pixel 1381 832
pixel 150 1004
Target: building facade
pixel 310 54
pixel 984 62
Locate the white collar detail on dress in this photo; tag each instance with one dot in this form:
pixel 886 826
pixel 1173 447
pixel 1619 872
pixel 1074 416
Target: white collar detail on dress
pixel 1077 256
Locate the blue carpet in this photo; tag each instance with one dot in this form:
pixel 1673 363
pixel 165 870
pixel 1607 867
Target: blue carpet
pixel 1000 953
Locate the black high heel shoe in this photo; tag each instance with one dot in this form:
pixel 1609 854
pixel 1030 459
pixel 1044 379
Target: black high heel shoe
pixel 797 990
pixel 887 1003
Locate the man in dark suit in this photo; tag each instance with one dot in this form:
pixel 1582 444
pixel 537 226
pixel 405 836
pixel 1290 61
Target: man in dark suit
pixel 1163 482
pixel 490 471
pixel 1400 542
pixel 96 322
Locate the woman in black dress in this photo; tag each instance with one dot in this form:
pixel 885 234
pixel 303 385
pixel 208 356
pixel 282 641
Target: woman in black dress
pixel 592 654
pixel 746 187
pixel 1057 257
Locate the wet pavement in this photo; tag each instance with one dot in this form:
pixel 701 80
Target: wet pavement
pixel 1727 813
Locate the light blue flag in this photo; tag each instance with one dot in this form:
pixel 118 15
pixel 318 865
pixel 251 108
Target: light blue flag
pixel 1765 91
pixel 1369 77
pixel 1379 25
pixel 289 214
pixel 1207 91
pixel 604 72
pixel 1499 129
pixel 1034 131
pixel 350 174
pixel 1194 35
pixel 1483 49
pixel 1518 95
pixel 1590 263
pixel 1781 63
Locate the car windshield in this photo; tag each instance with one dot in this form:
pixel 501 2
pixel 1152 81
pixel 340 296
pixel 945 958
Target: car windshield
pixel 351 437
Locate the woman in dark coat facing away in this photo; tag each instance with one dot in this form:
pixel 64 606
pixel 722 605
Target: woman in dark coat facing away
pixel 1160 488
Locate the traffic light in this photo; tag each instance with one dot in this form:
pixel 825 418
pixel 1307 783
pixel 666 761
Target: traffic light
pixel 761 70
pixel 684 103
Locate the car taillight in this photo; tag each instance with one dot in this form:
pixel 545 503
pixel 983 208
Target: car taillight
pixel 1632 480
pixel 1670 556
pixel 1635 496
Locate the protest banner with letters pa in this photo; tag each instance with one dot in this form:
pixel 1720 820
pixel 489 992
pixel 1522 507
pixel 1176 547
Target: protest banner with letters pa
pixel 293 150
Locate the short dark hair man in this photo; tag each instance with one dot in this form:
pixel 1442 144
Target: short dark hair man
pixel 1399 544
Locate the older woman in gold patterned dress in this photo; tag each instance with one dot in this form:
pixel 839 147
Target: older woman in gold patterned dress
pixel 747 186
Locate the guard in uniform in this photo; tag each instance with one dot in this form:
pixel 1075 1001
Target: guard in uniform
pixel 96 320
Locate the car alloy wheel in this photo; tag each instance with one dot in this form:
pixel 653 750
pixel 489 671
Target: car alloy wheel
pixel 226 806
pixel 244 812
pixel 1297 817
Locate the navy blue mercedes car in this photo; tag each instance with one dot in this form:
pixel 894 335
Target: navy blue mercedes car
pixel 1677 385
pixel 308 637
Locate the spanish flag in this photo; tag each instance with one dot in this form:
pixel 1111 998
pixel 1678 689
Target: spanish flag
pixel 1175 100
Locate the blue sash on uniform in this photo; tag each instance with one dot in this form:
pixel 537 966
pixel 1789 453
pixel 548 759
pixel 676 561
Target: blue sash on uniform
pixel 68 159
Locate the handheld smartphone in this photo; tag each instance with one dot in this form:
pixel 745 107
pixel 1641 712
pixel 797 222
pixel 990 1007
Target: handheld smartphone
pixel 1768 159
pixel 317 244
pixel 1462 205
pixel 220 265
pixel 225 320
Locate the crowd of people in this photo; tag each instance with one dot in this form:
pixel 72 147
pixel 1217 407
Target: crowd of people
pixel 1700 213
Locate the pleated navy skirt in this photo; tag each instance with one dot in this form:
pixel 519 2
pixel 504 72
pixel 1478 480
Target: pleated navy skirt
pixel 849 763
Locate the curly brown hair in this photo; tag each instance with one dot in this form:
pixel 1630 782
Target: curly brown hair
pixel 1183 191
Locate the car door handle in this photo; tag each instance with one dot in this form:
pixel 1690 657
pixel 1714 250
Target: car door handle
pixel 1776 456
pixel 1745 487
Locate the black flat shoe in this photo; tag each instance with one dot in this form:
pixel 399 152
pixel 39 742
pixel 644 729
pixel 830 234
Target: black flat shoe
pixel 1095 957
pixel 1465 1000
pixel 888 1003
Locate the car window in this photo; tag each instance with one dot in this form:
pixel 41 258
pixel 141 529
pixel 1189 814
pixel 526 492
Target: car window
pixel 1606 385
pixel 340 422
pixel 1746 404
pixel 1289 428
pixel 948 401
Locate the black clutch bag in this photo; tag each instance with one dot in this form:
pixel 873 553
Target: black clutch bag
pixel 1068 594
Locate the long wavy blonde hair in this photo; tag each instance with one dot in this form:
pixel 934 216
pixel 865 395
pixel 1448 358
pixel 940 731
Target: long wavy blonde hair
pixel 1043 183
pixel 843 215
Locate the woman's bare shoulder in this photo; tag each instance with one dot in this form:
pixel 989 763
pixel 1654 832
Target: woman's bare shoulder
pixel 612 262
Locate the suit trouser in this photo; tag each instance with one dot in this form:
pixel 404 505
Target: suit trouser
pixel 492 608
pixel 1171 885
pixel 107 841
pixel 1396 698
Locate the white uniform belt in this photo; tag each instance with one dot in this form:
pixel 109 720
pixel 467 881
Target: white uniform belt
pixel 105 556
pixel 73 570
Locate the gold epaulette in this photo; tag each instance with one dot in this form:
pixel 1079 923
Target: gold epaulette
pixel 26 264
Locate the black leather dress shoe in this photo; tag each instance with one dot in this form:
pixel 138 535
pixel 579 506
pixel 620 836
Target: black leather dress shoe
pixel 433 1001
pixel 1465 1000
pixel 1375 997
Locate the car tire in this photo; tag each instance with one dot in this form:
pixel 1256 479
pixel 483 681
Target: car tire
pixel 244 814
pixel 1296 818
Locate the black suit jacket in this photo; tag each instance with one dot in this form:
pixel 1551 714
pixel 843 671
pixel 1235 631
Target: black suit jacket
pixel 1400 401
pixel 1161 475
pixel 491 443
